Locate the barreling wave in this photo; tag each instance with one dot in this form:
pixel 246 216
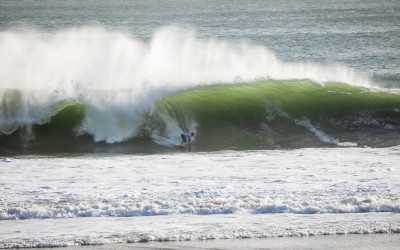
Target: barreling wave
pixel 89 89
pixel 264 114
pixel 270 114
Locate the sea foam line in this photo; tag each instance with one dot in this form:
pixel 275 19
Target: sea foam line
pixel 90 231
pixel 250 204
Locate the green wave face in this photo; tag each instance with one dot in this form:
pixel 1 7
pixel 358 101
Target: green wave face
pixel 260 115
pixel 26 108
pixel 54 132
pixel 270 114
pixel 238 102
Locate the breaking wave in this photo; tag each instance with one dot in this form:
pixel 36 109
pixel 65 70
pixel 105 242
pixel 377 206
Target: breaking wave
pixel 111 87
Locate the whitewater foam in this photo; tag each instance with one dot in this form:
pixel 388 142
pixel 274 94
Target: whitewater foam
pixel 272 110
pixel 109 230
pixel 224 195
pixel 310 181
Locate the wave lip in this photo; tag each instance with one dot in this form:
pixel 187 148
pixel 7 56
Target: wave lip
pixel 174 59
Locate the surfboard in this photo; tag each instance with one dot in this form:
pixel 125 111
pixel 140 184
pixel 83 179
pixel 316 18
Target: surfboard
pixel 184 144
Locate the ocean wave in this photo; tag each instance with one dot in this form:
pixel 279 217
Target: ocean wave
pixel 257 115
pixel 124 88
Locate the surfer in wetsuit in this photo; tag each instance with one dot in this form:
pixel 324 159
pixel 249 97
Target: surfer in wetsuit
pixel 186 135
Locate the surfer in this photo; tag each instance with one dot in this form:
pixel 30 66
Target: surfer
pixel 186 135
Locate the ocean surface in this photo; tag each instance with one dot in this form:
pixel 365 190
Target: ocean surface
pixel 295 107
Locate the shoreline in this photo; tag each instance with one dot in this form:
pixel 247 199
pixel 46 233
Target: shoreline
pixel 233 231
pixel 347 241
